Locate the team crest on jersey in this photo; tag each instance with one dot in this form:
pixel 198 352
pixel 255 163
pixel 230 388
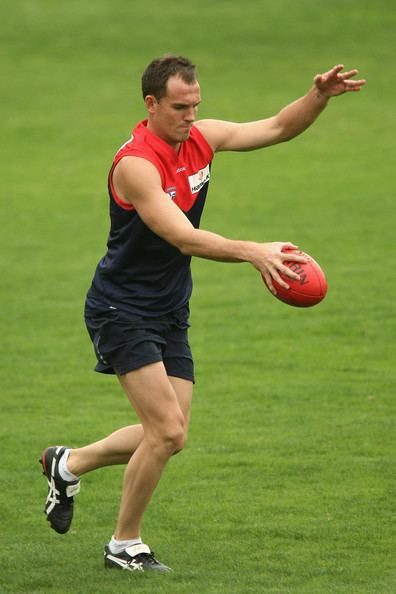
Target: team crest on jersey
pixel 199 179
pixel 171 192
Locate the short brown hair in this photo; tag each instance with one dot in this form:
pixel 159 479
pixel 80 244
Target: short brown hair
pixel 157 73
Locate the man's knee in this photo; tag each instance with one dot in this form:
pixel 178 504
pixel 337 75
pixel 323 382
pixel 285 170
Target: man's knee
pixel 180 442
pixel 174 437
pixel 170 439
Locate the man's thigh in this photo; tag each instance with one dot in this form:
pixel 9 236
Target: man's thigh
pixel 153 396
pixel 184 392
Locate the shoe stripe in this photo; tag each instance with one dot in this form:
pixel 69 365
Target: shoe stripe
pixel 52 499
pixel 53 465
pixel 53 492
pixel 128 565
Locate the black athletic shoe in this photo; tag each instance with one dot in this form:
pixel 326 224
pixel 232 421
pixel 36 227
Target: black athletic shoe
pixel 135 558
pixel 59 504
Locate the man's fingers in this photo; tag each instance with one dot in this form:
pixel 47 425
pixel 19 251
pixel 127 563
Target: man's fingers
pixel 268 281
pixel 275 273
pixel 336 69
pixel 277 270
pixel 295 257
pixel 276 277
pixel 354 84
pixel 289 273
pixel 272 274
pixel 290 246
pixel 346 75
pixel 333 73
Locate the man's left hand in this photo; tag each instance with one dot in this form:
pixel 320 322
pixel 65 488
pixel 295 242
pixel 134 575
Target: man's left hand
pixel 334 82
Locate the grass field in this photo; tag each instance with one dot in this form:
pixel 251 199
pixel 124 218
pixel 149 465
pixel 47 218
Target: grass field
pixel 287 485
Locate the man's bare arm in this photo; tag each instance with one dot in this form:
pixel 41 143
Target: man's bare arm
pixel 291 121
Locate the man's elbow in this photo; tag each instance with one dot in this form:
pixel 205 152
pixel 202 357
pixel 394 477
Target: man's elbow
pixel 286 133
pixel 184 247
pixel 289 134
pixel 181 243
pixel 183 238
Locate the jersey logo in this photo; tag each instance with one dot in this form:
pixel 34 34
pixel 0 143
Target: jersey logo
pixel 199 179
pixel 171 192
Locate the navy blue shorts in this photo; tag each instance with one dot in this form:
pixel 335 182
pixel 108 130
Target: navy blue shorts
pixel 124 342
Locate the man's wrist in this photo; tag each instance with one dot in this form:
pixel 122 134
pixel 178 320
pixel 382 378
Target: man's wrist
pixel 320 94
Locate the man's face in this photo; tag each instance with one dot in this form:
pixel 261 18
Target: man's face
pixel 172 116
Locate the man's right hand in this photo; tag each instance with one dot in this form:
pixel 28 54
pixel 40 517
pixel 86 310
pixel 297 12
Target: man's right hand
pixel 270 259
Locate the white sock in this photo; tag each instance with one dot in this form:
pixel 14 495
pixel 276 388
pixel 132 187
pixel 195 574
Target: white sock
pixel 63 469
pixel 117 546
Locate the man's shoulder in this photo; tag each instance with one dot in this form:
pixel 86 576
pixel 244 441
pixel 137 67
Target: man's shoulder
pixel 199 137
pixel 137 142
pixel 203 127
pixel 138 150
pixel 211 130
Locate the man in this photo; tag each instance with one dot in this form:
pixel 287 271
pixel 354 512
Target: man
pixel 137 307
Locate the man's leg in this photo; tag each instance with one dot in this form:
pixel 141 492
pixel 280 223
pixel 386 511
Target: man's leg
pixel 184 391
pixel 119 446
pixel 163 405
pixel 116 448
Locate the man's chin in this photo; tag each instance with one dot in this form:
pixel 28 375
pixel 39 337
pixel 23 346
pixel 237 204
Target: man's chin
pixel 185 133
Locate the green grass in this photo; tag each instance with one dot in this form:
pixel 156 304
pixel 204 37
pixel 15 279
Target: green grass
pixel 287 483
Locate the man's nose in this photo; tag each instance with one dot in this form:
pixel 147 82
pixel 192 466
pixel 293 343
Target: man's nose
pixel 190 115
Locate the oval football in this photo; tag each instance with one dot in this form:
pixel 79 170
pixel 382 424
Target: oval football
pixel 309 290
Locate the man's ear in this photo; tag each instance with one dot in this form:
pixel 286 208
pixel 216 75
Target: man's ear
pixel 151 103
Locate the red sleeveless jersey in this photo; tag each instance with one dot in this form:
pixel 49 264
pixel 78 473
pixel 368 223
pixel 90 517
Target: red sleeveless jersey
pixel 141 273
pixel 183 174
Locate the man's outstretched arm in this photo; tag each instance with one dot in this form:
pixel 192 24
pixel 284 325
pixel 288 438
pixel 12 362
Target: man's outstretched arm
pixel 288 123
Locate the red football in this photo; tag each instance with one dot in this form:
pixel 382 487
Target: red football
pixel 309 290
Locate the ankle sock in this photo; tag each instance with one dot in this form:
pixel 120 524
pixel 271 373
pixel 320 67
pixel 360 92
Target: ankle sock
pixel 63 469
pixel 117 546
